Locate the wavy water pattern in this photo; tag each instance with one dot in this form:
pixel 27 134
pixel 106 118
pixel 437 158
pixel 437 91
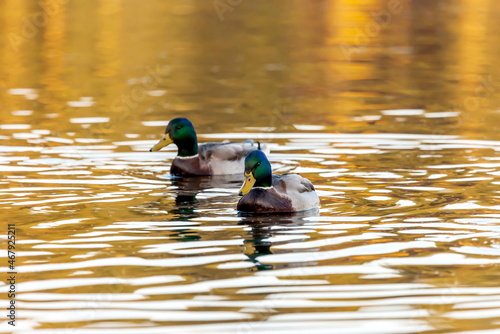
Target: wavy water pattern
pixel 114 244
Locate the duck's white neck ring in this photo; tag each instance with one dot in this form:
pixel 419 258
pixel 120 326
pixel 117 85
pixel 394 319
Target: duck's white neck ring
pixel 190 157
pixel 262 188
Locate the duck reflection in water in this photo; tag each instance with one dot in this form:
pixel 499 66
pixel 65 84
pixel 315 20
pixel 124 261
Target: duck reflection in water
pixel 186 205
pixel 261 228
pixel 186 190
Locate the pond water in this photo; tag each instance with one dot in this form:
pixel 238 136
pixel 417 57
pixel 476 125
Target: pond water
pixel 389 107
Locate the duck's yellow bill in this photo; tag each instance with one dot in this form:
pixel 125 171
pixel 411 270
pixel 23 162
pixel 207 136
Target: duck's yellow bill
pixel 247 184
pixel 164 141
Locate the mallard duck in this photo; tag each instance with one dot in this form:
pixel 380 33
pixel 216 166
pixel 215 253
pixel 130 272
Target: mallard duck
pixel 266 193
pixel 206 159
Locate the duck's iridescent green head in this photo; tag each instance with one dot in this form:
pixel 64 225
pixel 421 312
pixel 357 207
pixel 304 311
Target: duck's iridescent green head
pixel 180 131
pixel 258 172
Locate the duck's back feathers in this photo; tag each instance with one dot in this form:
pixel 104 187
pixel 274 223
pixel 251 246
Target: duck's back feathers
pixel 292 183
pixel 289 193
pixel 226 158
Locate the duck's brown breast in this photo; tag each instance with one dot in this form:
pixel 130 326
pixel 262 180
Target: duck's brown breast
pixel 189 167
pixel 260 200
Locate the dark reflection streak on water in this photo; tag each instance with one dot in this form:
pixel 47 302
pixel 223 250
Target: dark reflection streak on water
pixel 263 227
pixel 186 204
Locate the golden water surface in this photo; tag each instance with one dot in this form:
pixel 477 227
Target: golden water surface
pixel 390 107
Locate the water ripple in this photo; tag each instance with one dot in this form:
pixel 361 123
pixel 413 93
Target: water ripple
pixel 404 235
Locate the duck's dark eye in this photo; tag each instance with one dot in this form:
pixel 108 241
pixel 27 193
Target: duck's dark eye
pixel 178 127
pixel 258 164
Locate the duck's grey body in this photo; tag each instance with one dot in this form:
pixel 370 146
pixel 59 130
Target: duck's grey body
pixel 288 193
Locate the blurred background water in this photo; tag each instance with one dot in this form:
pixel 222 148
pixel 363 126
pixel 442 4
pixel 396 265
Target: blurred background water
pixel 390 107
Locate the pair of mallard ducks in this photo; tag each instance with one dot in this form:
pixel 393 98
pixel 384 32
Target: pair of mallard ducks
pixel 262 192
